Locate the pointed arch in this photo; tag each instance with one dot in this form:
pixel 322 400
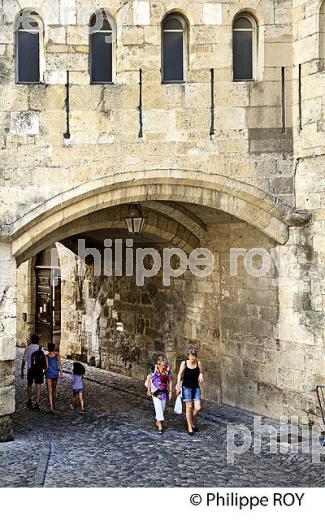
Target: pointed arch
pixel 248 203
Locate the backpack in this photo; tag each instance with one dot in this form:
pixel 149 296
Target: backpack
pixel 38 360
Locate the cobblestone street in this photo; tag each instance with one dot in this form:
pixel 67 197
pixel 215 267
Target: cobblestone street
pixel 115 444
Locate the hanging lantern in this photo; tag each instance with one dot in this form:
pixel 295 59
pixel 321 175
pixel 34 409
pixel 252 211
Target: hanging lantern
pixel 135 221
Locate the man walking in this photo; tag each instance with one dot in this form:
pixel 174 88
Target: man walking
pixel 34 357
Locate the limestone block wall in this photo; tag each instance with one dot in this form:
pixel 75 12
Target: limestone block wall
pixel 92 307
pixel 26 302
pixel 300 329
pixel 309 146
pixel 271 352
pixel 261 338
pixel 235 340
pixel 248 143
pixel 7 339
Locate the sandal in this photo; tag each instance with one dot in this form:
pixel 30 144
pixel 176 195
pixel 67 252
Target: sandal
pixel 160 431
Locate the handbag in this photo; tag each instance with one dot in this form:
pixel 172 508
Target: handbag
pixel 178 408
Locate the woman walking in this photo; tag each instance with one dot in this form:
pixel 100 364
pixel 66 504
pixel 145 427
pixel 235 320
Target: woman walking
pixel 159 387
pixel 190 376
pixel 53 371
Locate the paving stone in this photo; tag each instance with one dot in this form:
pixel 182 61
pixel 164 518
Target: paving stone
pixel 115 444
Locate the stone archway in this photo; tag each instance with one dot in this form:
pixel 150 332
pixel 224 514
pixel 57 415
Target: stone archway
pixel 56 217
pixel 248 203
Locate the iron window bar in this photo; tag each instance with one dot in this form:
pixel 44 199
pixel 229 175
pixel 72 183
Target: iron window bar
pixel 140 108
pixel 67 134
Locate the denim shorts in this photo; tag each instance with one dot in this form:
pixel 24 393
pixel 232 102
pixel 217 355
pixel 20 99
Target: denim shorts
pixel 191 394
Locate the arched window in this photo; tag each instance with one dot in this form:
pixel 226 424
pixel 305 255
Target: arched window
pixel 322 36
pixel 28 43
pixel 174 34
pixel 244 48
pixel 102 48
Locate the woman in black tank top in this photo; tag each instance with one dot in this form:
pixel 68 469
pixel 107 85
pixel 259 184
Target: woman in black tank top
pixel 191 376
pixel 188 383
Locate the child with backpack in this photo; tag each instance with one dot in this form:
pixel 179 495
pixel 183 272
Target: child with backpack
pixel 53 372
pixel 77 386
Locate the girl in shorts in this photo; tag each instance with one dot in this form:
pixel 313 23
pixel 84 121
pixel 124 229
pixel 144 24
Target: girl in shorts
pixel 52 373
pixel 78 386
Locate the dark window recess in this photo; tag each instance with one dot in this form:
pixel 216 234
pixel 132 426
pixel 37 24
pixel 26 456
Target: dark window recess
pixel 243 23
pixel 243 55
pixel 28 57
pixel 173 56
pixel 173 24
pixel 100 23
pixel 101 57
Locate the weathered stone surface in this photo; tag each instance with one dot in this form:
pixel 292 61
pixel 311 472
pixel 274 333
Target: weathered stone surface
pixel 212 14
pixel 25 123
pixel 6 429
pixel 7 399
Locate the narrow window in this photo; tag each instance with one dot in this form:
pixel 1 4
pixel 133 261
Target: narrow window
pixel 173 49
pixel 101 45
pixel 243 49
pixel 28 50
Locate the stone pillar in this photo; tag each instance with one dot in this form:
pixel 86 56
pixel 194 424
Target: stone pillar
pixel 7 339
pixel 26 302
pixel 300 329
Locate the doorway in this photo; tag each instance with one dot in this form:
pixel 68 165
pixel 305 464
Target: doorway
pixel 48 300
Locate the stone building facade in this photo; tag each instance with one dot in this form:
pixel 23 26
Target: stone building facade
pixel 215 163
